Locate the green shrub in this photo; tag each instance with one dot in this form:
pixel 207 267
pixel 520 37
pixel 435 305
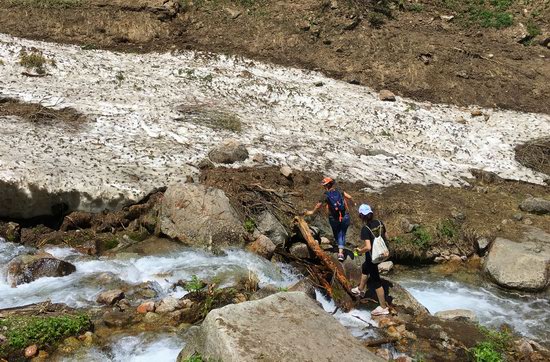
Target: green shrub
pixel 249 225
pixel 422 237
pixel 111 244
pixel 194 285
pixel 33 60
pixel 447 228
pixel 485 352
pixel 22 331
pixel 533 29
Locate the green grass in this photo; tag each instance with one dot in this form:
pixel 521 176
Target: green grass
pixel 485 13
pixel 111 244
pixel 485 352
pixel 533 29
pixel 23 331
pixel 47 4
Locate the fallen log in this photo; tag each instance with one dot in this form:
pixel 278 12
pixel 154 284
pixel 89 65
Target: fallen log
pixel 340 287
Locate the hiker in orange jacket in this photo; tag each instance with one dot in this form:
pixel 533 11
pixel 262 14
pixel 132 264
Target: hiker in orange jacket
pixel 336 202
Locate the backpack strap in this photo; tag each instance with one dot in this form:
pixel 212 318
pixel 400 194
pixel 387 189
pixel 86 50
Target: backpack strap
pixel 380 226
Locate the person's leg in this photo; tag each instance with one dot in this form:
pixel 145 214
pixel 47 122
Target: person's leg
pixel 363 282
pixel 343 230
pixel 335 226
pixel 381 297
pixel 377 283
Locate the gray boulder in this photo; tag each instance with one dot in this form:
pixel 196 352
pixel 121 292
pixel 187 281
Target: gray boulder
pixel 282 327
pixel 535 205
pixel 199 216
pixel 301 251
pixel 523 266
pixel 270 226
pixel 28 268
pixel 457 314
pixel 110 297
pixel 230 151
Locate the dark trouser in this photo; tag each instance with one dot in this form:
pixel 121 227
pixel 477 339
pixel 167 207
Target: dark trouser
pixel 339 229
pixel 371 269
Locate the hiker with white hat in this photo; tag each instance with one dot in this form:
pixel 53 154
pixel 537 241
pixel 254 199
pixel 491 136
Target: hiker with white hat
pixel 371 230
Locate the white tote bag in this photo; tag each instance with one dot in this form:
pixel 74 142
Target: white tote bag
pixel 379 250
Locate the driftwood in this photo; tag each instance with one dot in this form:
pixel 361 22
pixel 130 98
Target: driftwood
pixel 340 288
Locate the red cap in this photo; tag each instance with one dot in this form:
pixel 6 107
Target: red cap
pixel 326 181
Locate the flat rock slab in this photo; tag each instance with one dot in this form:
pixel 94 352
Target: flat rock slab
pixel 522 266
pixel 282 327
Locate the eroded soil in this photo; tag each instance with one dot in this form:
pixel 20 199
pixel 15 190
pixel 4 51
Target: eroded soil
pixel 416 54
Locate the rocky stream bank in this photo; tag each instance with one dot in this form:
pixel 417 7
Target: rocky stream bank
pixel 150 273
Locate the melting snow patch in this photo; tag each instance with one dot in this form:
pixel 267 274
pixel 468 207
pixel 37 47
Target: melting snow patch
pixel 136 139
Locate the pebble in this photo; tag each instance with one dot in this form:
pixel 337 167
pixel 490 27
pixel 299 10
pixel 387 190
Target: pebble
pixel 31 351
pixel 146 307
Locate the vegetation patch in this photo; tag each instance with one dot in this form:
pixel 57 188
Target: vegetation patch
pixel 493 348
pixel 45 332
pixel 194 285
pixel 421 237
pixel 249 225
pixel 447 229
pixel 485 13
pixel 34 60
pixel 37 113
pixel 214 119
pixel 535 154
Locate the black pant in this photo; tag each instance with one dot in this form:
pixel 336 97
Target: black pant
pixel 371 269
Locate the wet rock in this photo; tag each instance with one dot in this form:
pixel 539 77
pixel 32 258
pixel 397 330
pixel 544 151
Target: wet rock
pixel 31 351
pixel 10 231
pixel 385 267
pixel 262 246
pixel 199 216
pixel 146 307
pixel 70 345
pixel 228 152
pixel 116 319
pixel 110 297
pixel 301 251
pixel 535 205
pixel 524 347
pixel 151 317
pixel 386 95
pixel 270 226
pixel 305 286
pixel 87 338
pixel 168 304
pixel 482 244
pixel 455 314
pixel 258 158
pixel 403 359
pixel 402 298
pixel 27 268
pixel 42 357
pixel 264 292
pixel 232 333
pixel 384 353
pixel 522 266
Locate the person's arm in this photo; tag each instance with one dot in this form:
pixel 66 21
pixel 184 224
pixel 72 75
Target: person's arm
pixel 315 209
pixel 365 248
pixel 348 197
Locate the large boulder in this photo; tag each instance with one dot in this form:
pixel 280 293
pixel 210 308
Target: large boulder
pixel 230 151
pixel 523 266
pixel 535 205
pixel 199 216
pixel 28 268
pixel 270 226
pixel 282 327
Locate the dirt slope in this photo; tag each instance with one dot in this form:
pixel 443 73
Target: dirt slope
pixel 414 53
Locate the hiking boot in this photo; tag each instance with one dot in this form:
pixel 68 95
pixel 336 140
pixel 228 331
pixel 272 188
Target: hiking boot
pixel 380 311
pixel 340 257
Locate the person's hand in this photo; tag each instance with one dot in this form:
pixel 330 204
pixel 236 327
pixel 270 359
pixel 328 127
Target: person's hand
pixel 307 213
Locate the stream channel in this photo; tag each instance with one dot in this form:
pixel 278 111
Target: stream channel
pixel 528 314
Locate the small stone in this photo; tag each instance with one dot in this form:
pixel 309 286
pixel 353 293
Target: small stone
pixel 384 353
pixel 168 304
pixel 457 215
pixel 518 217
pixel 263 246
pixel 146 307
pixel 385 267
pixel 439 259
pixel 233 13
pixel 325 240
pixel 524 347
pixel 403 359
pixel 87 338
pixel 528 221
pixel 42 357
pixel 386 95
pixel 31 351
pixel 205 164
pixel 457 314
pixel 230 151
pixel 151 318
pixel 318 84
pixel 455 258
pixel 482 244
pixel 476 113
pixel 186 303
pixel 110 297
pixel 286 171
pixel 258 158
pixel 447 17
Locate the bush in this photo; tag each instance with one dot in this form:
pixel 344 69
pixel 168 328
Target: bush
pixel 33 60
pixel 485 352
pixel 422 237
pixel 194 285
pixel 447 228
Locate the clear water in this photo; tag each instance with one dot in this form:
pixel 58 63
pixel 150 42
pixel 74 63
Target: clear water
pixel 81 288
pixel 528 314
